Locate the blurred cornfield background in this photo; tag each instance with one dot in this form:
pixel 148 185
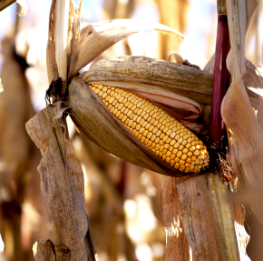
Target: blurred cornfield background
pixel 123 201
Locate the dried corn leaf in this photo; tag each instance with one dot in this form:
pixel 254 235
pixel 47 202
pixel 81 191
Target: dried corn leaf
pixel 93 119
pixel 97 37
pixel 62 183
pixel 253 81
pixel 246 133
pixel 239 15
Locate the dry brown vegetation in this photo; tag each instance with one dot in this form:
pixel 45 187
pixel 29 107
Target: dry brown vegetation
pixel 90 188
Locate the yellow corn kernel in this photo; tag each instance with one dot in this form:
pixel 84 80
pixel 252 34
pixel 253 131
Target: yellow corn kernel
pixel 161 133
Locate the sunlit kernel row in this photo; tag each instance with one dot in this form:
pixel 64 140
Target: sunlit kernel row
pixel 164 135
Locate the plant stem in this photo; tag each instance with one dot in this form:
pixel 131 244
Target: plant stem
pixel 220 79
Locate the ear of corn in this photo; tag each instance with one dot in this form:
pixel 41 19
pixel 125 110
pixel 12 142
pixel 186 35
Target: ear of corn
pixel 164 135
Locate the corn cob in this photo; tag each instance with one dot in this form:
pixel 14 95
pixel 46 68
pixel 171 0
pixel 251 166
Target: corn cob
pixel 160 132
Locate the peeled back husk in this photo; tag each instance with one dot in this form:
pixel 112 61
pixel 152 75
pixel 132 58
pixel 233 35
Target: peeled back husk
pixel 154 79
pixel 93 119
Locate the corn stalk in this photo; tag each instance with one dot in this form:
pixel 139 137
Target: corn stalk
pixel 177 246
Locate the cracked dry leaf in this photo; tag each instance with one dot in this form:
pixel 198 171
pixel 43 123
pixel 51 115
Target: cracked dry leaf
pixel 63 194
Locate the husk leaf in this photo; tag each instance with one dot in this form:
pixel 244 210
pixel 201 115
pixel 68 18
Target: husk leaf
pixel 174 85
pixel 176 78
pixel 93 119
pixel 97 37
pixel 246 133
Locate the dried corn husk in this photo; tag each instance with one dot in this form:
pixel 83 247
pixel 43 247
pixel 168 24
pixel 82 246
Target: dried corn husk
pixel 150 76
pixel 156 80
pixel 93 119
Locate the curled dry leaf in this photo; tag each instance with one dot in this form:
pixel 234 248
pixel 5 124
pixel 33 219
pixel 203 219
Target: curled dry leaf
pixel 62 183
pixel 246 133
pixel 167 83
pixel 253 81
pixel 96 38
